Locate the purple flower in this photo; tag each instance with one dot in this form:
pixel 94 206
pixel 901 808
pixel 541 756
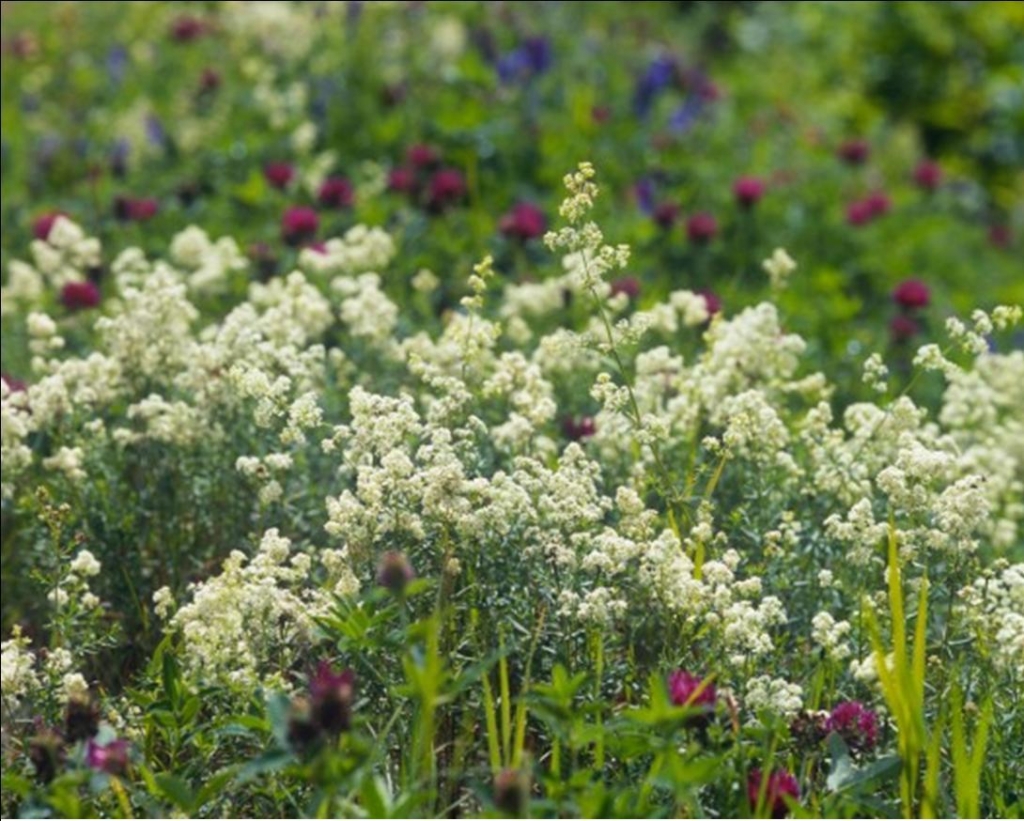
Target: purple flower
pixel 859 213
pixel 187 28
pixel 781 783
pixel 394 572
pixel 331 694
pixel 447 187
pixel 78 295
pixel 855 723
pixel 630 286
pixel 111 758
pixel 903 328
pixel 279 174
pixel 694 692
pixel 579 427
pixel 711 300
pixel 524 222
pixel 665 214
pixel 402 179
pixel 299 225
pixel 43 224
pixel 701 228
pixel 928 175
pixel 660 73
pixel 335 192
pixel 912 293
pixel 748 191
pixel 422 156
pixel 854 152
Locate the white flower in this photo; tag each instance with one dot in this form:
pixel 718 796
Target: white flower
pixel 85 564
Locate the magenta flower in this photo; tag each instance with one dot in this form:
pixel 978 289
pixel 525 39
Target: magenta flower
pixel 524 221
pixel 187 28
pixel 279 174
pixel 13 385
pixel 111 758
pixel 911 293
pixel 43 224
pixel 394 572
pixel 335 192
pixel 630 286
pixel 422 156
pixel 781 784
pixel 928 175
pixel 701 228
pixel 209 81
pixel 855 723
pixel 999 236
pixel 401 179
pixel 878 203
pixel 859 212
pixel 76 296
pixel 331 696
pixel 447 188
pixel 665 214
pixel 748 191
pixel 903 328
pixel 131 209
pixel 711 300
pixel 579 427
pixel 854 152
pixel 688 690
pixel 299 225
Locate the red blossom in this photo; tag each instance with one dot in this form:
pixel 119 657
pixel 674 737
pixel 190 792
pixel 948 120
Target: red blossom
pixel 701 228
pixel 665 214
pixel 748 191
pixel 630 286
pixel 928 175
pixel 902 328
pixel 524 221
pixel 109 758
pixel 43 224
pixel 422 156
pixel 401 179
pixel 279 174
pixel 711 300
pixel 447 187
pixel 855 723
pixel 76 296
pixel 187 28
pixel 781 784
pixel 854 152
pixel 912 293
pixel 335 192
pixel 299 225
pixel 579 427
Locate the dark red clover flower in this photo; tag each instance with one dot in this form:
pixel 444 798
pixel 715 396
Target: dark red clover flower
pixel 209 81
pixel 422 156
pixel 688 690
pixel 878 203
pixel 187 28
pixel 111 758
pixel 630 286
pixel 579 427
pixel 854 152
pixel 447 187
pixel 13 385
pixel 911 293
pixel 335 192
pixel 394 572
pixel 46 752
pixel 76 296
pixel 902 328
pixel 780 784
pixel 859 212
pixel 401 179
pixel 81 719
pixel 711 300
pixel 701 228
pixel 331 695
pixel 748 191
pixel 524 221
pixel 512 792
pixel 299 225
pixel 279 174
pixel 665 214
pixel 43 224
pixel 928 175
pixel 855 723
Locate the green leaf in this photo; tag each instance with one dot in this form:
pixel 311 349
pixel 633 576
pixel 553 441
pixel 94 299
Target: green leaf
pixel 177 790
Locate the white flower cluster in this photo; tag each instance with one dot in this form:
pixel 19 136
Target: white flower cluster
pixel 774 695
pixel 245 626
pixel 994 607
